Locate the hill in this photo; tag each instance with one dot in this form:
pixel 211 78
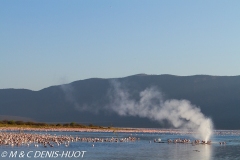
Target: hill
pixel 87 101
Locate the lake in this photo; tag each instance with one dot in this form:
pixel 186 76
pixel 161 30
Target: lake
pixel 143 148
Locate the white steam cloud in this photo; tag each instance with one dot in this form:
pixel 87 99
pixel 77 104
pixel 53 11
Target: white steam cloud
pixel 180 113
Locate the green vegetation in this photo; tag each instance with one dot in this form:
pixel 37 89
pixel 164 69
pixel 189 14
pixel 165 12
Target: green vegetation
pixel 12 123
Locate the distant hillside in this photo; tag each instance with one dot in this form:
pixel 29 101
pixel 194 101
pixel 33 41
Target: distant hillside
pixel 217 96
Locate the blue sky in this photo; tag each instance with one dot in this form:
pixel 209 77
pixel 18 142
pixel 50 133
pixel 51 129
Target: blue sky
pixel 50 42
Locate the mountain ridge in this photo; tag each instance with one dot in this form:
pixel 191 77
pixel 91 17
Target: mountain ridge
pixel 217 96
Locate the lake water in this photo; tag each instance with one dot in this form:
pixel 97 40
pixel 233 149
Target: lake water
pixel 141 149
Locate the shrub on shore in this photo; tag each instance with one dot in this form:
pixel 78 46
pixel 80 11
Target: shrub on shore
pixel 42 124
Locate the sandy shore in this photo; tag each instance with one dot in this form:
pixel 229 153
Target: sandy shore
pixel 126 130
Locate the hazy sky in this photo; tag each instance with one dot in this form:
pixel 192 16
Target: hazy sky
pixel 50 42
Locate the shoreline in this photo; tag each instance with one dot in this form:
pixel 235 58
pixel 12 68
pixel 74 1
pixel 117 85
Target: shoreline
pixel 63 129
pixel 116 130
pixel 119 130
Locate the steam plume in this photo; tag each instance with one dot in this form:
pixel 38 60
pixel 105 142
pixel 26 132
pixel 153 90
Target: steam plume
pixel 180 113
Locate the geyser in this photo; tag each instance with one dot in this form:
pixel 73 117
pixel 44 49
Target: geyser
pixel 180 113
